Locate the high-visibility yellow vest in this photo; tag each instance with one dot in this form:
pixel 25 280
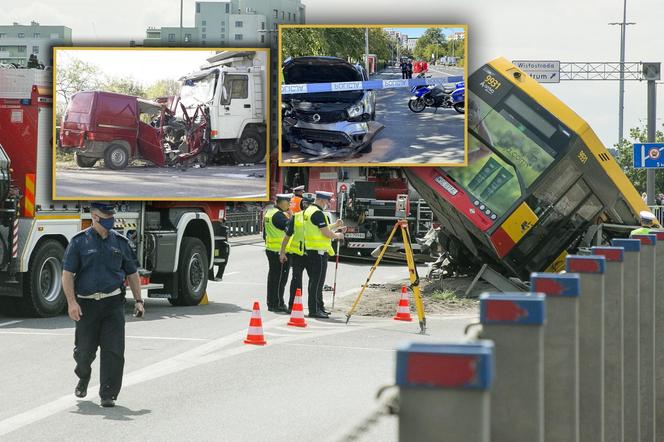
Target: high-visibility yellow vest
pixel 640 231
pixel 273 236
pixel 313 237
pixel 296 242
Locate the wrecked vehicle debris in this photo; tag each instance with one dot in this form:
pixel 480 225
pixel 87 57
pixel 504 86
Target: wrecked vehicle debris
pixel 328 124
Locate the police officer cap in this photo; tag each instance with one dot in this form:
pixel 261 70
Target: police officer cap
pixel 105 208
pixel 320 194
pixel 308 197
pixel 284 196
pixel 647 215
pixel 298 188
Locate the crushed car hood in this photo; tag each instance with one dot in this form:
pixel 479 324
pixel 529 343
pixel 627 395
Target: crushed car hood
pixel 322 70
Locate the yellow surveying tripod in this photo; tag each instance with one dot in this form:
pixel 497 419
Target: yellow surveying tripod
pixel 412 271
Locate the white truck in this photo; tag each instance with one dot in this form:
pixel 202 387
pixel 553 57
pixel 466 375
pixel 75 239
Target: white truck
pixel 233 88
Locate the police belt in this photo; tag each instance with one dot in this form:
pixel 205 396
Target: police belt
pixel 100 295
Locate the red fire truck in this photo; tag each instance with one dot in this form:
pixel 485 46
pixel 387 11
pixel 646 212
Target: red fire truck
pixel 177 243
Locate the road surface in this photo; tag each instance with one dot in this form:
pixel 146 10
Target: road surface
pixel 162 182
pixel 189 377
pixel 408 138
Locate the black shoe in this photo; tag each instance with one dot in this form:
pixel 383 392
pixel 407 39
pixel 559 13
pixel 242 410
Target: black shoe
pixel 107 403
pixel 284 309
pixel 273 309
pixel 319 315
pixel 325 311
pixel 81 389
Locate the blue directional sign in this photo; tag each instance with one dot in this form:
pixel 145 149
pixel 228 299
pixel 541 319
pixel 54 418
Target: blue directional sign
pixel 648 155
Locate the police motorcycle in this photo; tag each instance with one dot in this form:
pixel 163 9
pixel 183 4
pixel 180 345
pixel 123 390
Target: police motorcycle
pixel 437 96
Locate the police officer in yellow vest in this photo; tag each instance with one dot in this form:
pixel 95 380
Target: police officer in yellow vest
pixel 292 246
pixel 647 222
pixel 275 220
pixel 318 236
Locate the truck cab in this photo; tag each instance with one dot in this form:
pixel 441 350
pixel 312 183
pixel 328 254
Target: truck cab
pixel 235 100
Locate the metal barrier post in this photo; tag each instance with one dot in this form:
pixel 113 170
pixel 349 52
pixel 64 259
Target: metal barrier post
pixel 659 334
pixel 514 322
pixel 591 345
pixel 561 354
pixel 647 335
pixel 631 395
pixel 613 341
pixel 444 391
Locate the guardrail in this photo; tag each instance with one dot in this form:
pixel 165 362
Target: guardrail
pixel 658 211
pixel 244 223
pixel 579 358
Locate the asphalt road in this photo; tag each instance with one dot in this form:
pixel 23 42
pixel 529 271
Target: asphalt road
pixel 189 377
pixel 162 182
pixel 430 137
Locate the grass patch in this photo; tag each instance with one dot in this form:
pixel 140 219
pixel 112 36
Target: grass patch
pixel 450 298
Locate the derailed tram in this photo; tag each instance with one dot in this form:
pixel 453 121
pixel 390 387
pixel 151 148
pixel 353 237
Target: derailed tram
pixel 537 184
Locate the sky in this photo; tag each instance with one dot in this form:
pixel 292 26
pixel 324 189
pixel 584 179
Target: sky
pixel 566 30
pixel 145 66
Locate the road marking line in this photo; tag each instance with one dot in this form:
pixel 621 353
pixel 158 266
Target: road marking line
pixel 211 351
pixel 2 324
pixel 231 273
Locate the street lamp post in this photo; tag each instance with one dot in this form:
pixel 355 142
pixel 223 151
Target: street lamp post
pixel 621 88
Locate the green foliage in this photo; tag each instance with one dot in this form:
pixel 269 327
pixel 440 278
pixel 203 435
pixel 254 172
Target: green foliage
pixel 125 85
pixel 345 43
pixel 73 77
pixel 625 159
pixel 162 88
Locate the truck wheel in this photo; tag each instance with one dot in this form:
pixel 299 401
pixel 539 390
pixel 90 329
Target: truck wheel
pixel 193 272
pixel 43 282
pixel 82 161
pixel 251 148
pixel 116 157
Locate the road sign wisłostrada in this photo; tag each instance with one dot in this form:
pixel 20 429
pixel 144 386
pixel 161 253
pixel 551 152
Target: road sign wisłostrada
pixel 312 88
pixel 648 155
pixel 544 71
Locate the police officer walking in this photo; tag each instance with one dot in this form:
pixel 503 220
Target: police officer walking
pixel 96 264
pixel 318 236
pixel 275 220
pixel 292 247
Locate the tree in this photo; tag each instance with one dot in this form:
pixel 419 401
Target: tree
pixel 625 159
pixel 162 88
pixel 74 76
pixel 125 85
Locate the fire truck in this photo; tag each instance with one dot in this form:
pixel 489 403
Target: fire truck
pixel 365 197
pixel 177 243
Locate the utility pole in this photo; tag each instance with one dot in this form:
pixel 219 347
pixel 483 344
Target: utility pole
pixel 651 71
pixel 181 8
pixel 366 50
pixel 621 88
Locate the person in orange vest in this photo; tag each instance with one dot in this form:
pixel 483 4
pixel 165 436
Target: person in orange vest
pixel 297 199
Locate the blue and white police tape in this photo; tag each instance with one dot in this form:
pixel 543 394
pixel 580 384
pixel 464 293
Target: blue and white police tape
pixel 313 88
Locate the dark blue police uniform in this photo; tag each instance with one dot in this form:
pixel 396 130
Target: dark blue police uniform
pixel 100 265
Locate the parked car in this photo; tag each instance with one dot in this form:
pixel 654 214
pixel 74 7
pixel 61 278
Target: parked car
pixel 330 124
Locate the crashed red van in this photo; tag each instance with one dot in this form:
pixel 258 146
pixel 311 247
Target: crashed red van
pixel 105 125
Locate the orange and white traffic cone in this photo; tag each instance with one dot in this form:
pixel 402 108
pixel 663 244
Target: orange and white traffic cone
pixel 297 313
pixel 255 333
pixel 403 309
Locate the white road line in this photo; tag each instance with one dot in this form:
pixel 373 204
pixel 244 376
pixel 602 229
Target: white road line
pixel 3 324
pixel 231 273
pixel 342 347
pixel 211 351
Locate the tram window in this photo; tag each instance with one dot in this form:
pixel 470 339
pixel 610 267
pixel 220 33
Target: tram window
pixel 590 208
pixel 554 185
pixel 529 115
pixel 490 179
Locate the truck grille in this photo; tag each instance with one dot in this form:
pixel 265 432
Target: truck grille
pixel 325 117
pixel 323 136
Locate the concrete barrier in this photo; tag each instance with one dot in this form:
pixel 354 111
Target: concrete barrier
pixel 561 354
pixel 444 391
pixel 659 335
pixel 631 395
pixel 591 345
pixel 647 273
pixel 514 322
pixel 613 341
